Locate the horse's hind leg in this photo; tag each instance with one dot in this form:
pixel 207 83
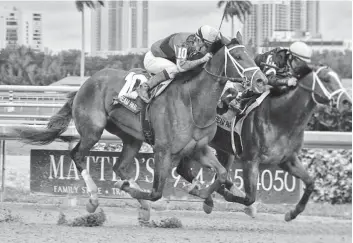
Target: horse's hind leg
pixel 78 154
pixel 295 168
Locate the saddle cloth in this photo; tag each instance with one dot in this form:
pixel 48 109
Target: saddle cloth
pixel 128 98
pixel 230 126
pixel 128 95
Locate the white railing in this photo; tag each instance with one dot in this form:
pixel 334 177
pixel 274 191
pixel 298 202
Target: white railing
pixel 26 88
pixel 312 139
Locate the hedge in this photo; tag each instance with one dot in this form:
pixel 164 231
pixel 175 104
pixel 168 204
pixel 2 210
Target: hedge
pixel 328 118
pixel 332 170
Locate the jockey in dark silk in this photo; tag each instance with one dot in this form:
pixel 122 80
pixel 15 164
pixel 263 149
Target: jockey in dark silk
pixel 173 54
pixel 283 67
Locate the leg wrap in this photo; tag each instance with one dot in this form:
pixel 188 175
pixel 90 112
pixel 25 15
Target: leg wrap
pixel 91 186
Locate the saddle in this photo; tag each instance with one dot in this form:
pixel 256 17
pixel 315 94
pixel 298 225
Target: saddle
pixel 127 95
pixel 128 98
pixel 230 120
pixel 228 100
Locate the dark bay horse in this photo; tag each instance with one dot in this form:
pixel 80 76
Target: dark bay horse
pixel 182 117
pixel 273 134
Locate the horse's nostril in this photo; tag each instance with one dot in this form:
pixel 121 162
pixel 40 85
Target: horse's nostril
pixel 345 102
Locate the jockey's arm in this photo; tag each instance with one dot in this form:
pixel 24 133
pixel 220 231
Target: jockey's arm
pixel 275 81
pixel 182 62
pixel 185 65
pixel 270 72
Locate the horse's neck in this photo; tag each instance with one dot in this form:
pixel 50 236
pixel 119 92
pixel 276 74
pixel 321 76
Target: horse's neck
pixel 293 109
pixel 205 92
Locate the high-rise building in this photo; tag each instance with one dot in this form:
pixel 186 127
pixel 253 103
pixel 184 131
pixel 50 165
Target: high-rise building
pixel 32 31
pixel 10 27
pixel 312 19
pixel 262 22
pixel 20 28
pixel 251 31
pixel 270 16
pixel 120 26
pixel 282 15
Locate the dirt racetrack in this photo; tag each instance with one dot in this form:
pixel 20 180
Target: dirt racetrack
pixel 38 223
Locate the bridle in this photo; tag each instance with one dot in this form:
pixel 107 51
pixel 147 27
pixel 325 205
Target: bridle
pixel 326 94
pixel 237 66
pixel 239 69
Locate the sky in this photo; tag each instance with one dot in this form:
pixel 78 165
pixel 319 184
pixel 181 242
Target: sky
pixel 62 21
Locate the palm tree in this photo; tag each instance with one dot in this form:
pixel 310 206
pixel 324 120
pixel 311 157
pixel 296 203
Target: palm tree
pixel 240 9
pixel 20 66
pixel 80 5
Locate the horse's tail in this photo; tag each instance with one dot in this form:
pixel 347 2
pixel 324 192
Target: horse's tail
pixel 56 126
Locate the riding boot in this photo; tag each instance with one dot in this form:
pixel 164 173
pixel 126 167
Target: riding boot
pixel 143 89
pixel 241 98
pixel 246 94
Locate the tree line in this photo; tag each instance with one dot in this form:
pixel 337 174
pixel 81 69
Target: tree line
pixel 23 66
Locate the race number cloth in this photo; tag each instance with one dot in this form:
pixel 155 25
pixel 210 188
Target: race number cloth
pixel 128 89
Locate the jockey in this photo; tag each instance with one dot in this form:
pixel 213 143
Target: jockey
pixel 283 67
pixel 172 54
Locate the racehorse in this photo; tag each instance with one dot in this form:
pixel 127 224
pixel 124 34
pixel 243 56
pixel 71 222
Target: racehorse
pixel 273 134
pixel 182 118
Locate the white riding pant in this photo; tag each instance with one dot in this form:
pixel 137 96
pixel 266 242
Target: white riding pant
pixel 155 65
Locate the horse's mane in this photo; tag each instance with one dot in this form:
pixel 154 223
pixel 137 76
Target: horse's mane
pixel 214 48
pixel 217 45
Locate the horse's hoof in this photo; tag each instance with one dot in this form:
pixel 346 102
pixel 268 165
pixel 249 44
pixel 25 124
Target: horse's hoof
pixel 207 208
pixel 121 184
pixel 144 215
pixel 92 205
pixel 251 211
pixel 288 217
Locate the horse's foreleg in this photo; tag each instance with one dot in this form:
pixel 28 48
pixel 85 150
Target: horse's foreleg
pixel 232 188
pixel 295 168
pixel 208 159
pixel 184 169
pixel 251 172
pixel 122 169
pixel 163 162
pixel 162 158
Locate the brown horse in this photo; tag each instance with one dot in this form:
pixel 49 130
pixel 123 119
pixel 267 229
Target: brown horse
pixel 277 132
pixel 182 118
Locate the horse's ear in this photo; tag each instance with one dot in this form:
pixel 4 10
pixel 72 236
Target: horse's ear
pixel 225 40
pixel 313 67
pixel 239 38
